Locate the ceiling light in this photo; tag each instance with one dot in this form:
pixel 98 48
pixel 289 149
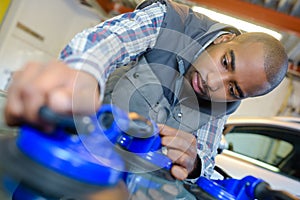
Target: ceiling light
pixel 240 24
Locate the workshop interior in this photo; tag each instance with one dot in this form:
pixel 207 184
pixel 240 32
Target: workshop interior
pixel 92 157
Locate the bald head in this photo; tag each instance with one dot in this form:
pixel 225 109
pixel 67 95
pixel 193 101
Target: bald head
pixel 275 57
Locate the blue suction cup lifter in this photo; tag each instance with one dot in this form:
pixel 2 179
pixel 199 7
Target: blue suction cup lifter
pixel 134 134
pixel 67 155
pixel 230 189
pixel 130 130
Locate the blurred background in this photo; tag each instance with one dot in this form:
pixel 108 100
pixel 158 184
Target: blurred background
pixel 39 29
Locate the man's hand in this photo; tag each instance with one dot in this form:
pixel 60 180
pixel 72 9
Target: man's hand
pixel 62 89
pixel 181 149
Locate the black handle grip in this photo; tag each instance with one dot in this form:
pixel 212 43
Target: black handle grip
pixel 58 120
pixel 67 122
pixel 263 191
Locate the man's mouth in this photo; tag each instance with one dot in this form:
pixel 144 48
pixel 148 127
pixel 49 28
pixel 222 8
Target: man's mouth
pixel 198 84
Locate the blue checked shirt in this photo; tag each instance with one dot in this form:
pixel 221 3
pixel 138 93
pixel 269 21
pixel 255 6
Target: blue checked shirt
pixel 121 40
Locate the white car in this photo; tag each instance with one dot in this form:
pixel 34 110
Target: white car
pixel 265 148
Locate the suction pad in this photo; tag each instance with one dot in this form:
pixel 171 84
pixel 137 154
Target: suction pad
pixel 49 169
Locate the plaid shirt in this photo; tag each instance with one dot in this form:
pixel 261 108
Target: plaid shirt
pixel 121 40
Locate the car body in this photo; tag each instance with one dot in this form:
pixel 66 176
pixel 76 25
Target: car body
pixel 267 148
pixel 235 164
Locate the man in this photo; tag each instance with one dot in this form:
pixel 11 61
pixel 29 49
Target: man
pixel 182 69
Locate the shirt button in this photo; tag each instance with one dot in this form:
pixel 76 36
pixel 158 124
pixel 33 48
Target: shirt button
pixel 136 75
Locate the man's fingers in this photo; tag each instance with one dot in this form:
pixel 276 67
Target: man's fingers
pixel 86 94
pixel 182 159
pixel 12 117
pixel 56 85
pixel 175 133
pixel 59 100
pixel 32 101
pixel 167 130
pixel 27 73
pixel 181 149
pixel 77 93
pixel 67 100
pixel 14 108
pixel 28 91
pixel 184 144
pixel 179 172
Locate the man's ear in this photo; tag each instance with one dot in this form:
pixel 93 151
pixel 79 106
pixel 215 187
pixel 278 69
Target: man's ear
pixel 224 38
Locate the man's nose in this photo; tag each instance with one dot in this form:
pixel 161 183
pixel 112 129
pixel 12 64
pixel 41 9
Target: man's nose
pixel 216 80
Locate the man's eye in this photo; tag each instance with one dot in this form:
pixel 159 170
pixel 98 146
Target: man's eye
pixel 233 92
pixel 224 62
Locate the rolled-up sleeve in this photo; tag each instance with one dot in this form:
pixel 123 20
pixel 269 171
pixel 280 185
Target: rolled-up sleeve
pixel 115 42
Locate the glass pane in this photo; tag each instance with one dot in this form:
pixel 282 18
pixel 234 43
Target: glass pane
pixel 260 147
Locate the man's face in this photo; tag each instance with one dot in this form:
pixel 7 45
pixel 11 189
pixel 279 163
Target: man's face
pixel 229 71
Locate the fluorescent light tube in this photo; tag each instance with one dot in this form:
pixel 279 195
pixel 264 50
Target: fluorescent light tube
pixel 240 24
